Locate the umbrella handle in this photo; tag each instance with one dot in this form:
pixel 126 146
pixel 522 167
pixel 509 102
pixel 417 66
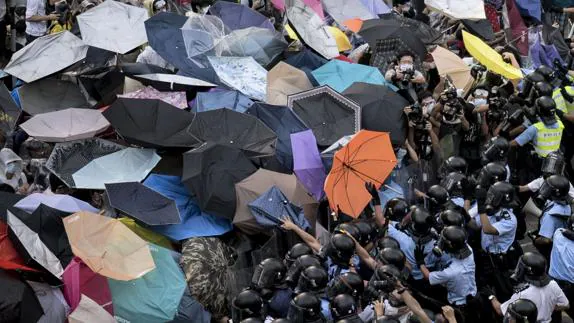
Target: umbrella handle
pixel 392 189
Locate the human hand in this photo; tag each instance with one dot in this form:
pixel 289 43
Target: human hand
pixel 420 255
pixel 428 126
pixel 53 16
pixel 407 110
pixel 412 124
pixel 448 313
pixel 288 224
pixel 507 57
pixel 379 308
pixel 372 189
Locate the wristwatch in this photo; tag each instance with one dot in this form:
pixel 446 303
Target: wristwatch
pixel 491 297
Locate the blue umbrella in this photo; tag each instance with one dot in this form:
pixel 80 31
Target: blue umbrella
pixel 270 208
pixel 219 99
pixel 307 61
pixel 283 121
pixel 155 296
pixel 236 16
pixel 530 8
pixel 194 223
pixel 340 75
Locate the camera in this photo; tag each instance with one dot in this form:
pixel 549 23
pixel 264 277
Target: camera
pixel 383 282
pixel 417 116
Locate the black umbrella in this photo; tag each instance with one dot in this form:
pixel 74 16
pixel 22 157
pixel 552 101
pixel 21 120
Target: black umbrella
pixel 18 302
pixel 151 123
pixel 307 61
pixel 173 82
pixel 103 84
pixel 234 129
pixel 68 157
pixel 283 121
pixel 142 203
pixel 10 111
pixel 7 200
pixel 424 32
pixel 381 109
pixel 329 114
pixel 211 171
pixel 481 28
pixel 376 30
pixel 133 69
pixel 95 58
pixel 48 95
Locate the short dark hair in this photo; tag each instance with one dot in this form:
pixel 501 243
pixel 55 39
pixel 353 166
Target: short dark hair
pixel 423 95
pixel 399 2
pixel 404 53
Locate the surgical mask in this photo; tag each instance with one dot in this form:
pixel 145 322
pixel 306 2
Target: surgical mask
pixel 429 107
pixel 405 67
pixel 479 101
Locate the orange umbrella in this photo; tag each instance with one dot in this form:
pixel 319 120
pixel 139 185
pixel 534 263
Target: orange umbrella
pixel 354 24
pixel 368 157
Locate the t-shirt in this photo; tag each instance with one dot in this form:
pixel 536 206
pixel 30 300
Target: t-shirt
pixel 35 8
pixel 546 299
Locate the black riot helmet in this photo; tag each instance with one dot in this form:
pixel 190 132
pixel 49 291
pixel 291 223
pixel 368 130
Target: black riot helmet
pixel 367 232
pixel 553 164
pixel 452 240
pixel 384 279
pixel 281 320
pixel 451 218
pixel 388 242
pixel 348 228
pixel 294 272
pixel 496 150
pixel 554 188
pixel 568 231
pixel 341 249
pixel 343 306
pixel 546 72
pixel 529 82
pixel 546 109
pixel 542 89
pixel 419 226
pixel 305 308
pixel 455 184
pixel 246 304
pixel 296 251
pixel 390 256
pixel 269 273
pixel 531 268
pixel 252 320
pixel 521 311
pixel 437 197
pixel 313 280
pixel 492 173
pixel 396 209
pixel 500 195
pixel 455 164
pixel 346 283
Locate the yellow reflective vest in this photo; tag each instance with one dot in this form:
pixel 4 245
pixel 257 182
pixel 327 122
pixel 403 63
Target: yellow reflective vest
pixel 547 140
pixel 561 103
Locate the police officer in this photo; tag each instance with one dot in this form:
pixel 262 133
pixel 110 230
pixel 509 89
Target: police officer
pixel 300 264
pixel 396 209
pixel 246 304
pixel 562 261
pixel 496 151
pixel 314 280
pixel 521 311
pixel 456 185
pixel 305 308
pixel 295 252
pixel 344 307
pixel 454 164
pixel 553 164
pixel 269 280
pixel 535 285
pixel 348 283
pixel 437 199
pixel 388 242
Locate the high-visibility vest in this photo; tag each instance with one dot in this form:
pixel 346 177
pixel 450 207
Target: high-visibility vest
pixel 561 103
pixel 547 140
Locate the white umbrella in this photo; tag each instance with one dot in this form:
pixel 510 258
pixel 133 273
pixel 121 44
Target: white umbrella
pixel 114 26
pixel 46 55
pixel 172 81
pixel 89 311
pixel 127 165
pixel 60 202
pixel 343 10
pixel 65 125
pixel 243 74
pixel 457 9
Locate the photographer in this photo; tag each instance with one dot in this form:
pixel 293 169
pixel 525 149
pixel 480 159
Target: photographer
pixel 449 122
pixel 403 72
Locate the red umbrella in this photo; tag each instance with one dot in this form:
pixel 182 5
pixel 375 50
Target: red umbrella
pixel 10 259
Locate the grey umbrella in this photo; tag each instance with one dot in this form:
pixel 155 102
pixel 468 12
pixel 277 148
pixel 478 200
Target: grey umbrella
pixel 50 95
pixel 262 44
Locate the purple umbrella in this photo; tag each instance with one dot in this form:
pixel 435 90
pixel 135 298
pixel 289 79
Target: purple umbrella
pixel 307 162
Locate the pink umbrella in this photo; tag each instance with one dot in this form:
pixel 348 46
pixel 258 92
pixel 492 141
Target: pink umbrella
pixel 314 4
pixel 80 279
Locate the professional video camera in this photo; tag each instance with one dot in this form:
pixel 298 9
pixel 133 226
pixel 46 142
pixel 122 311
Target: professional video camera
pixel 383 282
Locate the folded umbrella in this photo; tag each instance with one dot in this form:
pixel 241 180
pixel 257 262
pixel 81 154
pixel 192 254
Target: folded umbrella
pixel 234 129
pixel 516 28
pixel 381 109
pixel 114 26
pixel 90 311
pixel 138 300
pixel 307 61
pixel 210 171
pixel 329 114
pixel 241 73
pixel 470 9
pixel 481 28
pixel 343 10
pixel 151 123
pixel 272 206
pixel 143 203
pixel 237 16
pixel 448 63
pixel 177 99
pixel 264 45
pixel 65 125
pixel 307 164
pixel 50 95
pixel 220 98
pixel 80 281
pixel 19 302
pixel 489 57
pixel 367 158
pixel 64 203
pixel 284 80
pixel 126 165
pixel 46 55
pixel 340 75
pixel 67 158
pixel 172 82
pixel 108 247
pixel 10 112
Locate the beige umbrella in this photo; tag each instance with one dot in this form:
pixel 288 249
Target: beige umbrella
pixel 108 247
pixel 90 311
pixel 448 63
pixel 260 182
pixel 284 80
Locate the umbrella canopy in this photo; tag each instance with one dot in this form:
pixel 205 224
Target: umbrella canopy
pixel 377 31
pixel 234 129
pixel 147 234
pixel 80 281
pixel 10 259
pixel 489 57
pixel 114 26
pixel 67 158
pixel 470 9
pixel 316 5
pixel 143 203
pixel 283 122
pixel 9 111
pixel 424 32
pixel 151 123
pixel 64 203
pixel 90 311
pixel 284 80
pixel 343 10
pixel 367 158
pixel 65 125
pixel 138 300
pixel 307 163
pixel 340 75
pixel 108 247
pixel 329 114
pixel 172 82
pixel 126 165
pixel 448 63
pixel 7 200
pixel 270 208
pixel 307 61
pixel 243 74
pixel 52 301
pixel 46 55
pixel 210 170
pixel 201 34
pixel 19 302
pixel 530 8
pixel 220 98
pixel 237 16
pixel 481 28
pixel 312 30
pixel 133 69
pixel 264 45
pixel 177 99
pixel 103 84
pixel 205 263
pixel 381 109
pixel 50 95
pixel 376 7
pixel 194 222
pixel 249 189
pixel 328 154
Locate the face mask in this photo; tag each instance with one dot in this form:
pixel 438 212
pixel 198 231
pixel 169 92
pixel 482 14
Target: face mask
pixel 428 108
pixel 479 102
pixel 405 67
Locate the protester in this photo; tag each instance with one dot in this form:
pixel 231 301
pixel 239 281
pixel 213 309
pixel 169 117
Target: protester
pixel 37 19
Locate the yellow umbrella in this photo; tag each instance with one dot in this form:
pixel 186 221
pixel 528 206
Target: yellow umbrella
pixel 489 57
pixel 448 63
pixel 343 43
pixel 146 234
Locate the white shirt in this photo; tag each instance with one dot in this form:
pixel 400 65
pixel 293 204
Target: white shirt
pixel 545 298
pixel 35 8
pixel 535 185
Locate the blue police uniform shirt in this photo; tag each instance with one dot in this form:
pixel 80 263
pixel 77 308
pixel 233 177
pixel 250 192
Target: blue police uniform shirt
pixel 529 135
pixel 325 309
pixel 386 194
pixel 506 228
pixel 562 258
pixel 408 248
pixel 458 278
pixel 554 217
pixel 334 270
pixel 279 303
pixel 459 201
